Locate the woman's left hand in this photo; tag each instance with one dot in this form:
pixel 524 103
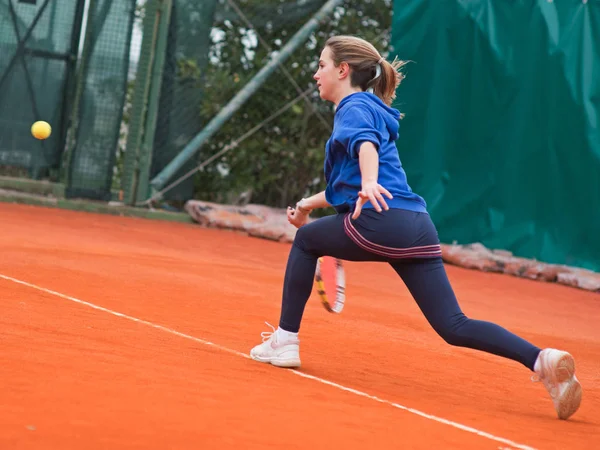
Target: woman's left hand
pixel 371 192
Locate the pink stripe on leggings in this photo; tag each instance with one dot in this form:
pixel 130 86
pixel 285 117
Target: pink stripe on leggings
pixel 425 251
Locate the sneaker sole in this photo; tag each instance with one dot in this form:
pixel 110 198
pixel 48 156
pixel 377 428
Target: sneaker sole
pixel 565 368
pixel 571 399
pixel 287 363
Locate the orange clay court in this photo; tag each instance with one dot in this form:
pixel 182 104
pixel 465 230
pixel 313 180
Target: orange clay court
pixel 123 333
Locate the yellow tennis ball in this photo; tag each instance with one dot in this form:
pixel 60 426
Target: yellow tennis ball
pixel 41 130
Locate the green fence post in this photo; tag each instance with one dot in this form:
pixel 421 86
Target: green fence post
pixel 79 82
pixel 164 9
pixel 131 164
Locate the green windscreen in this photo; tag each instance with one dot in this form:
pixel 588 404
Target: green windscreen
pixel 501 134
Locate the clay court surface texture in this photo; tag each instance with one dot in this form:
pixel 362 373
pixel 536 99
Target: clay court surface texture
pixel 125 333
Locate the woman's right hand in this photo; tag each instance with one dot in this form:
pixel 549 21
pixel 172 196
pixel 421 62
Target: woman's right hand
pixel 297 217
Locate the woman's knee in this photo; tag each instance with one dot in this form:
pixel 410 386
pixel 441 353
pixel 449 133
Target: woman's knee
pixel 450 330
pixel 302 237
pixel 309 237
pixel 452 338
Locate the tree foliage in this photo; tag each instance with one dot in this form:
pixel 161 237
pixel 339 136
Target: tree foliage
pixel 283 161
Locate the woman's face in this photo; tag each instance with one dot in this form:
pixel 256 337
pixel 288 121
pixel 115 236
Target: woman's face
pixel 326 76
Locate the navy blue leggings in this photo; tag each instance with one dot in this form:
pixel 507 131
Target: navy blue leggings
pixel 409 242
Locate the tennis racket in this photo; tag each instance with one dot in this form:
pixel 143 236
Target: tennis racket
pixel 331 283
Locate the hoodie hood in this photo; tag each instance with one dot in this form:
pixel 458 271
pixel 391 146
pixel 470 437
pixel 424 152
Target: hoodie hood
pixel 363 117
pixel 390 116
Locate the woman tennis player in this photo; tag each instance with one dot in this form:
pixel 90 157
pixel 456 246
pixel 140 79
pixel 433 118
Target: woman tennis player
pixel 379 218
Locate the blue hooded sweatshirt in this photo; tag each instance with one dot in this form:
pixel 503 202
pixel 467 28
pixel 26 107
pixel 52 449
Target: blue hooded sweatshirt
pixel 362 117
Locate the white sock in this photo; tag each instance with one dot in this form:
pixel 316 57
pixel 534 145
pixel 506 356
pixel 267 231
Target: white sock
pixel 536 366
pixel 286 335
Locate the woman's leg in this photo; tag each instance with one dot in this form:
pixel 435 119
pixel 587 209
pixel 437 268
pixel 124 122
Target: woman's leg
pixel 323 237
pixel 428 283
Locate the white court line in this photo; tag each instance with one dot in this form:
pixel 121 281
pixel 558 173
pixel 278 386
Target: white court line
pixel 295 372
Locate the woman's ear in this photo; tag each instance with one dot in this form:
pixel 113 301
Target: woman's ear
pixel 343 70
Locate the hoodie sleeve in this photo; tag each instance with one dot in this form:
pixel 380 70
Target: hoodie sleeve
pixel 357 125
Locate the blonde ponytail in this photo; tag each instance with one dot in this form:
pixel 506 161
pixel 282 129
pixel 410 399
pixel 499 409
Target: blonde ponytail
pixel 385 85
pixel 364 60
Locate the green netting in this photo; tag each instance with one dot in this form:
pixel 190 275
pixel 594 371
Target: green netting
pixel 101 96
pixel 34 80
pixel 501 131
pixel 182 87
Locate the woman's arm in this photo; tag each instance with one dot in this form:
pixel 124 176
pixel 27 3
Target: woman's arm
pixel 298 216
pixel 313 202
pixel 371 191
pixel 368 160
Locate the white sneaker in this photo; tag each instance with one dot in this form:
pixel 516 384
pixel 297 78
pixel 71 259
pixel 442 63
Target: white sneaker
pixel 557 372
pixel 279 353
